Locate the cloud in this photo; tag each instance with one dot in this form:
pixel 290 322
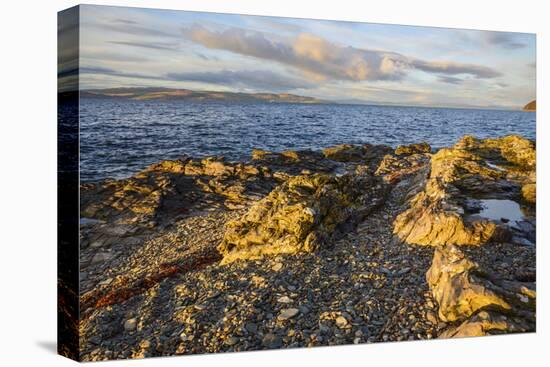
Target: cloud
pixel 123 21
pixel 133 28
pixel 503 39
pixel 256 79
pixel 108 71
pixel 320 59
pixel 449 79
pixel 454 68
pixel 151 45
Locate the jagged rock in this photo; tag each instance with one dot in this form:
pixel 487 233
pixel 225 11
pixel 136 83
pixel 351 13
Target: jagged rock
pixel 292 163
pixel 512 148
pixel 101 257
pixel 464 291
pixel 454 284
pixel 486 323
pixel 413 149
pixel 437 215
pixel 302 214
pixel 394 167
pixel 344 153
pixel 368 154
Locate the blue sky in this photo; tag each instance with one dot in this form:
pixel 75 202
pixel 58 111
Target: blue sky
pixel 332 60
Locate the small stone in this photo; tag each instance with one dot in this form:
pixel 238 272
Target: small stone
pixel 106 281
pixel 403 271
pixel 96 244
pixel 185 337
pixel 284 299
pixel 232 340
pixel 431 317
pixel 251 327
pixel 304 310
pixel 288 313
pixel 130 325
pixel 272 341
pixel 341 322
pixel 144 344
pixel 277 267
pixel 101 257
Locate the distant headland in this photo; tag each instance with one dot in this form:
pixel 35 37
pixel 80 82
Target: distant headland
pixel 531 106
pixel 186 94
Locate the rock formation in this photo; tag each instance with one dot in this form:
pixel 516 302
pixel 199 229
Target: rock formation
pixel 302 214
pixel 472 169
pixel 478 302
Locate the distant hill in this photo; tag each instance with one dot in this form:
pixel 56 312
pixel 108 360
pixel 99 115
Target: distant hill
pixel 190 95
pixel 531 106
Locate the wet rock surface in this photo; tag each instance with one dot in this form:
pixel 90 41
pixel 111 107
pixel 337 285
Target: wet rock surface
pixel 301 249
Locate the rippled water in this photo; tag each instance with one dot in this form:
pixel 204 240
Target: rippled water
pixel 120 137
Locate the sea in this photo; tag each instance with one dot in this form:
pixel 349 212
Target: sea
pixel 119 137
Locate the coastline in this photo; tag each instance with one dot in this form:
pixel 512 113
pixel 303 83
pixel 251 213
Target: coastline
pixel 350 244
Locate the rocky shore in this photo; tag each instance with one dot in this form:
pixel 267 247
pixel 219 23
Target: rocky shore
pixel 350 244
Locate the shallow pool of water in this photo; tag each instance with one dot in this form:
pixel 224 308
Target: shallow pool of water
pixel 497 210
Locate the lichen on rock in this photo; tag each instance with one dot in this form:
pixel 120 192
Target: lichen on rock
pixel 302 214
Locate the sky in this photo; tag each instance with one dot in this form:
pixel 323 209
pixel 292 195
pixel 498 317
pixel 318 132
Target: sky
pixel 332 60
